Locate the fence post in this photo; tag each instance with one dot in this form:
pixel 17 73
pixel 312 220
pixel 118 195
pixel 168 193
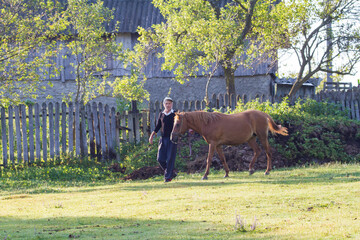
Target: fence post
pixel 77 129
pixel 102 132
pixel 63 127
pixel 91 130
pixel 18 134
pixel 44 132
pixel 11 134
pixel 51 130
pixel 113 131
pixel 109 141
pixel 57 129
pixel 83 144
pixel 31 133
pixel 37 132
pixel 4 136
pixel 97 130
pixel 71 128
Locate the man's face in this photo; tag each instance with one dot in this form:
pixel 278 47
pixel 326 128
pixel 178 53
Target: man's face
pixel 168 105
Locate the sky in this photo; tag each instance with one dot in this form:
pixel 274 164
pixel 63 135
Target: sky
pixel 288 64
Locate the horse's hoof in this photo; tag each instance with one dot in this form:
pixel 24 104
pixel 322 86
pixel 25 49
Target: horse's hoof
pixel 266 173
pixel 251 171
pixel 226 176
pixel 204 178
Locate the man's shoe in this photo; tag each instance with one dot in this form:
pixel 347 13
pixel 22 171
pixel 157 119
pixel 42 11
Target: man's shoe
pixel 168 180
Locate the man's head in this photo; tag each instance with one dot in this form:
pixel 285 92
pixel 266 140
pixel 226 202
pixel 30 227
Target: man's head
pixel 168 103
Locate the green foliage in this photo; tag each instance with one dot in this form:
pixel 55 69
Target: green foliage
pixel 201 35
pixel 27 40
pixel 318 131
pixel 65 171
pixel 135 156
pixel 88 47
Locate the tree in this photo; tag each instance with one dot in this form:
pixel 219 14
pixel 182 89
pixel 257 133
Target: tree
pixel 26 28
pixel 90 47
pixel 314 47
pixel 199 35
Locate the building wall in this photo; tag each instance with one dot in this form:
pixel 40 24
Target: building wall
pixel 194 89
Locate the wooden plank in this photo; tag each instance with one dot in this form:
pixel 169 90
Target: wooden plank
pixel 197 105
pixel 186 106
pixel 131 127
pixel 137 127
pixel 44 132
pixel 113 133
pixel 4 137
pixel 24 133
pixel 84 148
pixel 51 130
pixel 152 117
pixel 77 129
pixel 71 128
pixel 63 128
pixel 356 107
pixel 123 124
pixel 18 134
pixel 102 132
pixel 145 126
pixel 11 134
pixel 97 130
pixel 91 130
pixel 108 137
pixel 37 132
pixel 31 134
pixel 117 135
pixel 57 129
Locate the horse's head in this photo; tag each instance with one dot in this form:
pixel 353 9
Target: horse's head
pixel 179 128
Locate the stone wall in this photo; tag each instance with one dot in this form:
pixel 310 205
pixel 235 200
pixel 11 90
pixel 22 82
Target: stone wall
pixel 194 89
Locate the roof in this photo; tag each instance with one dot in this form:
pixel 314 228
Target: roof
pixel 133 13
pixel 312 82
pixel 130 14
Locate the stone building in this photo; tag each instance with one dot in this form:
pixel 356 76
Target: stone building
pixel 257 81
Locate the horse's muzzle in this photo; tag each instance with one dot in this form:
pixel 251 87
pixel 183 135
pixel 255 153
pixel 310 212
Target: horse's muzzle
pixel 174 137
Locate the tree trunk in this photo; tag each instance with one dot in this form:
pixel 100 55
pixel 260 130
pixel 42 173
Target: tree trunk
pixel 230 81
pixel 297 85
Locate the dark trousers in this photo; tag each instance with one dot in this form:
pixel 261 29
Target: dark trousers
pixel 166 156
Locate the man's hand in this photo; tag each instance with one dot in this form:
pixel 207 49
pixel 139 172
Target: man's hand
pixel 151 137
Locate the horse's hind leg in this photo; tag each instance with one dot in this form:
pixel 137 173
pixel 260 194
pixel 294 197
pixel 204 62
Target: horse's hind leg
pixel 208 161
pixel 223 160
pixel 255 147
pixel 264 141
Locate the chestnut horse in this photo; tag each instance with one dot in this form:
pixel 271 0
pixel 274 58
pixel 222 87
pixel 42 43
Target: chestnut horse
pixel 229 129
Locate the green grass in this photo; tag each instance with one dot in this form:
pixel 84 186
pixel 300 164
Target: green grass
pixel 315 202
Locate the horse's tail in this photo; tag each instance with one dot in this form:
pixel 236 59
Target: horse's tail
pixel 276 128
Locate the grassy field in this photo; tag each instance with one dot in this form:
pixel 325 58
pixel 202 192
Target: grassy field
pixel 316 202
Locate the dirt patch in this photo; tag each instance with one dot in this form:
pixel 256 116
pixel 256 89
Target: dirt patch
pixel 145 173
pixel 238 159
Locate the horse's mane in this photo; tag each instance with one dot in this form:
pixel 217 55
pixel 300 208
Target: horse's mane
pixel 201 116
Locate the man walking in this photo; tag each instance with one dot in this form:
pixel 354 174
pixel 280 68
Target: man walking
pixel 167 149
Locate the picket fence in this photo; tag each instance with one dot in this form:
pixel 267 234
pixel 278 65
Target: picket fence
pixel 50 130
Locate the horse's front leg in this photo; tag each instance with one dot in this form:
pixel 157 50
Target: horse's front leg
pixel 223 160
pixel 208 161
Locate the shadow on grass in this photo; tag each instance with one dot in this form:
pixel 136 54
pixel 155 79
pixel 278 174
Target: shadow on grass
pixel 119 228
pixel 283 177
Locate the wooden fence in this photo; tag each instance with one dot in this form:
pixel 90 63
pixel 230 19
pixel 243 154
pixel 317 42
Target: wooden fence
pixel 349 100
pixel 50 130
pixel 35 132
